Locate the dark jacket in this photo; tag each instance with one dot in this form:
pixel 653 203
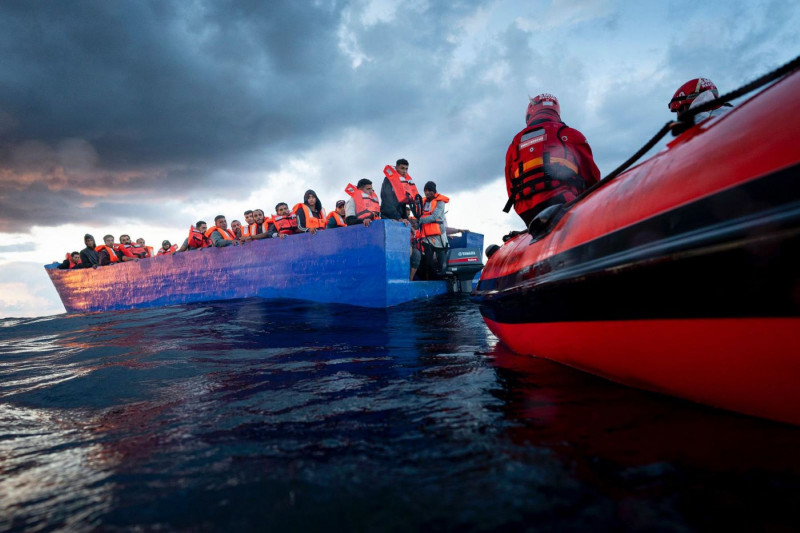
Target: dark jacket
pixel 89 258
pixel 390 207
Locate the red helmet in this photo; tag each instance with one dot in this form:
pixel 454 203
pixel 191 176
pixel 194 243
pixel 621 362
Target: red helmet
pixel 690 90
pixel 544 103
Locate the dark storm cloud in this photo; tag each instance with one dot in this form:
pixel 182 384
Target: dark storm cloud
pixel 149 89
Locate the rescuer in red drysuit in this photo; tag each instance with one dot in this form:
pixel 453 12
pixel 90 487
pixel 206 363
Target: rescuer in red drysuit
pixel 548 162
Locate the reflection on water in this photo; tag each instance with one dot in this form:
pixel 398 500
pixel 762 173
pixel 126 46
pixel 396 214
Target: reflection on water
pixel 264 415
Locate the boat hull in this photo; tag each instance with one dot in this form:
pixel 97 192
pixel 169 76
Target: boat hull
pixel 356 265
pixel 681 275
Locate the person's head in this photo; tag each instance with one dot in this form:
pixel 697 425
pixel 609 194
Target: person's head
pixel 401 166
pixel 165 245
pixel 430 190
pixel 108 240
pixel 140 242
pixel 201 225
pixel 258 216
pixel 236 227
pixel 282 209
pixel 75 257
pixel 89 240
pixel 364 185
pixel 340 207
pixel 248 216
pixel 543 106
pixel 311 199
pixel 124 239
pixel 220 222
pixel 690 90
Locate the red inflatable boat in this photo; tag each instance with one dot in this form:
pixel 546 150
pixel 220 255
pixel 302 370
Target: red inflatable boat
pixel 680 276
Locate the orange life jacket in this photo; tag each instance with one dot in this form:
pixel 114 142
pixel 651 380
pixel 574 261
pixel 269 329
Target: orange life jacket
pixel 111 254
pixel 245 231
pixel 432 228
pixel 403 186
pixel 227 234
pixel 286 225
pixel 197 239
pixel 254 230
pixel 71 262
pixel 541 166
pixel 169 251
pixel 311 220
pixel 367 205
pixel 337 217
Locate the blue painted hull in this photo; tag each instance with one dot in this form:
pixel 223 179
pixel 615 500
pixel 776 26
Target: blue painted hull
pixel 355 265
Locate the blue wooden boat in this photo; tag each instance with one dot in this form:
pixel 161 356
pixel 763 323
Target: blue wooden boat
pixel 356 265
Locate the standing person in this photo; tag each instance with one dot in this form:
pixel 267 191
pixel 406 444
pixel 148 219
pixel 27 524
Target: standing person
pixel 398 192
pixel 89 257
pixel 336 218
pixel 547 163
pixel 432 228
pixel 694 93
pixel 363 205
pixel 219 233
pixel 310 214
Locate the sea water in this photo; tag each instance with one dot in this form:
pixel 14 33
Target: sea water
pixel 273 416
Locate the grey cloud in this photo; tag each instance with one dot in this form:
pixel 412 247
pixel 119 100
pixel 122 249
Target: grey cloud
pixel 21 247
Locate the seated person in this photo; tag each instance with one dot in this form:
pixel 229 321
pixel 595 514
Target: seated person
pixel 72 260
pixel 219 233
pixel 109 253
pixel 167 248
pixel 148 249
pixel 89 257
pixel 260 229
pixel 310 214
pixel 236 228
pixel 336 218
pixel 126 244
pixel 197 237
pixel 363 205
pixel 284 222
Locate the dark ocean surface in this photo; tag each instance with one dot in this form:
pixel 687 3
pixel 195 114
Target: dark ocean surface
pixel 254 415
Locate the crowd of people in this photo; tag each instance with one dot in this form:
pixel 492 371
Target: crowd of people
pixel 547 164
pixel 399 200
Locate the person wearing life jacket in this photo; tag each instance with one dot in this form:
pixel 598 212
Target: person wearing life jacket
pixel 547 163
pixel 694 93
pixel 148 249
pixel 284 222
pixel 110 253
pixel 398 192
pixel 236 228
pixel 259 229
pixel 310 214
pixel 248 220
pixel 219 233
pixel 432 229
pixel 363 205
pixel 126 250
pixel 197 237
pixel 167 248
pixel 89 257
pixel 336 218
pixel 71 260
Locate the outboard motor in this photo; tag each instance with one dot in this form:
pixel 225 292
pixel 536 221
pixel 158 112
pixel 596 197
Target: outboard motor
pixel 461 265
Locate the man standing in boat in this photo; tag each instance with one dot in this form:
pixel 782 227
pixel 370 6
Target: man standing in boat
pixel 398 192
pixel 547 163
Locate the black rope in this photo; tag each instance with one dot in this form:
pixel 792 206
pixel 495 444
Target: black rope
pixel 686 120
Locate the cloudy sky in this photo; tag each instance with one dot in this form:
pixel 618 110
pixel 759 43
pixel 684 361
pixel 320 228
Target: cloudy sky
pixel 141 117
